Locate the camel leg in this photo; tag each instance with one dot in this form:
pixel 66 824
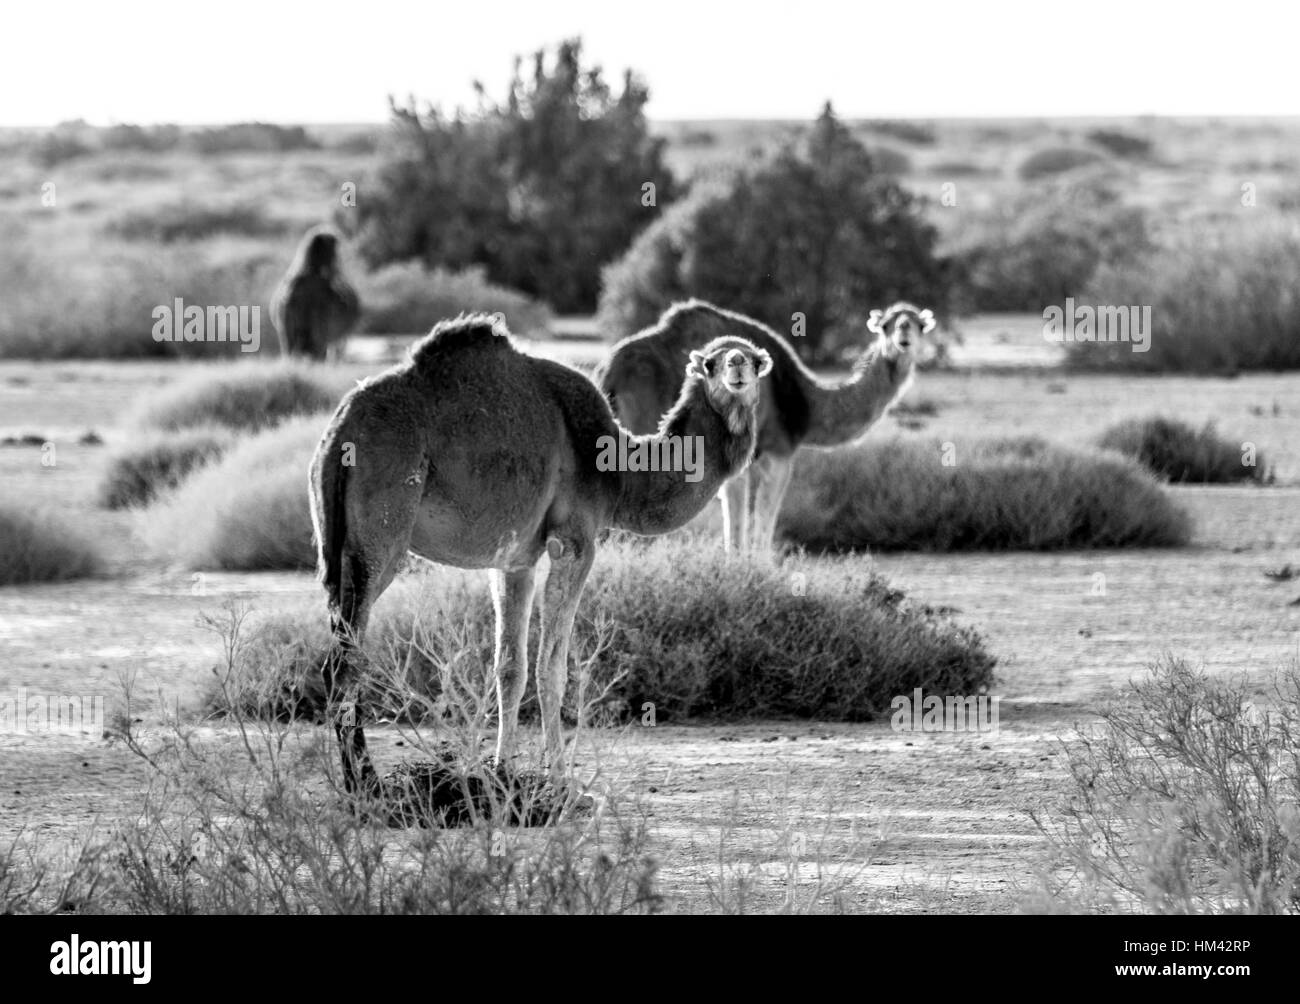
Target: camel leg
pixel 367 572
pixel 512 596
pixel 559 604
pixel 343 673
pixel 772 479
pixel 735 512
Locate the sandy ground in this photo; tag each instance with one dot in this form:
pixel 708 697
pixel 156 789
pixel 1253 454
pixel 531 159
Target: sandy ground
pixel 912 822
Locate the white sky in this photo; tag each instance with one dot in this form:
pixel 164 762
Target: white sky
pixel 192 62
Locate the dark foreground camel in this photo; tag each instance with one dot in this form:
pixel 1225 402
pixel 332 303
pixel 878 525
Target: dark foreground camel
pixel 314 307
pixel 476 455
pixel 643 375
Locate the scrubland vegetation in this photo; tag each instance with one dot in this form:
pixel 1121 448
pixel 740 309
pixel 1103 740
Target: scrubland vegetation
pixel 39 547
pixel 984 495
pixel 1182 801
pixel 1017 216
pixel 1177 452
pixel 671 623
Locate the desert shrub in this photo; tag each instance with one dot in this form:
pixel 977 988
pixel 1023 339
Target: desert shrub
pixel 130 168
pixel 697 138
pixel 247 511
pixel 1019 494
pixel 1054 161
pixel 683 627
pixel 1183 800
pixel 1121 144
pixel 958 169
pixel 541 190
pixel 817 230
pixel 918 133
pixel 1043 246
pixel 158 462
pixel 1223 298
pixel 36 546
pixel 408 298
pixel 362 143
pixel 243 396
pixel 272 842
pixel 151 139
pixel 890 161
pixel 190 221
pixel 57 306
pixel 61 145
pixel 258 136
pixel 1175 451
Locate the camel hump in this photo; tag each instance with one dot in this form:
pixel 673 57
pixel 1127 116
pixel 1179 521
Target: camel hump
pixel 455 338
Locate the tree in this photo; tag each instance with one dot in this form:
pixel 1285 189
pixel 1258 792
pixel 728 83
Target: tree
pixel 541 190
pixel 817 231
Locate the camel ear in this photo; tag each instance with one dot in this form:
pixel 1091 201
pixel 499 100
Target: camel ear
pixel 698 366
pixel 873 322
pixel 764 362
pixel 927 321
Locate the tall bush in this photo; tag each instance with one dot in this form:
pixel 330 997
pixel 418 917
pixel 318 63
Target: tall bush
pixel 819 232
pixel 540 190
pixel 1223 298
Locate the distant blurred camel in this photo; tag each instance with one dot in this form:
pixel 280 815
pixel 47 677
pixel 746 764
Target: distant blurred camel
pixel 314 307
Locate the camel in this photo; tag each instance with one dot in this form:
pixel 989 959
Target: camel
pixel 313 308
pixel 473 454
pixel 641 377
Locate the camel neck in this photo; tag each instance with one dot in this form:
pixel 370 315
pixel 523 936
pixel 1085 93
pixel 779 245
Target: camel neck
pixel 672 475
pixel 840 413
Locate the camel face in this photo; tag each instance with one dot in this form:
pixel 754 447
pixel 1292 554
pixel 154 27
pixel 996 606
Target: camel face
pixel 731 369
pixel 900 328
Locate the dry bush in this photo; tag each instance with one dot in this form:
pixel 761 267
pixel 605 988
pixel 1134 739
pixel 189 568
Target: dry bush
pixel 1002 494
pixel 1183 801
pixel 671 624
pixel 1177 452
pixel 408 298
pixel 65 303
pixel 1223 299
pixel 156 462
pixel 36 546
pixel 247 511
pixel 245 397
pixel 190 221
pixel 1054 161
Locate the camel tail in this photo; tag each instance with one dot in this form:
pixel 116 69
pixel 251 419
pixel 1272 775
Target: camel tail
pixel 329 512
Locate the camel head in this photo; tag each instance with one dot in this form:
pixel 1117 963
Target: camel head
pixel 318 252
pixel 729 369
pixel 899 329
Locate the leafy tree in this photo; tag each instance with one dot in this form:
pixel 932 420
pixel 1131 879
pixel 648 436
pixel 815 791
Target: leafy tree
pixel 541 190
pixel 818 231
